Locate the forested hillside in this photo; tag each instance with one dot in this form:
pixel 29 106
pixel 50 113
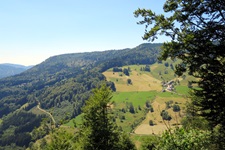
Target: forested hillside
pixel 61 84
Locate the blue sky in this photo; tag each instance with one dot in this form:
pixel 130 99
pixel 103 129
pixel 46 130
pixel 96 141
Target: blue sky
pixel 33 30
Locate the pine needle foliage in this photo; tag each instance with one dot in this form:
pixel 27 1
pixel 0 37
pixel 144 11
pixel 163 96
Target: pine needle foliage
pixel 98 131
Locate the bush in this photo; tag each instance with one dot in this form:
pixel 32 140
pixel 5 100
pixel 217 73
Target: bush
pixel 181 139
pixel 151 109
pixel 165 115
pixel 129 81
pixel 176 108
pixel 151 123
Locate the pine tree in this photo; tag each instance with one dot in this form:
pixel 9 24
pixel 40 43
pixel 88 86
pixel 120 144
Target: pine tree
pixel 98 131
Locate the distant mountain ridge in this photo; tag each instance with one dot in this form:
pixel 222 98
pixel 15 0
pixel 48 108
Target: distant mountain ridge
pixel 8 69
pixel 16 65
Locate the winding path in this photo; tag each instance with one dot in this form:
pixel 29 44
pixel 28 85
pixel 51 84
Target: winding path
pixel 38 107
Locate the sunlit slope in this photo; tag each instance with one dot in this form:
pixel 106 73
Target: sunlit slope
pixel 166 71
pixel 141 80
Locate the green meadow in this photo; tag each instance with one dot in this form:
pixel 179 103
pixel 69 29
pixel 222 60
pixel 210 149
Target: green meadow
pixel 136 98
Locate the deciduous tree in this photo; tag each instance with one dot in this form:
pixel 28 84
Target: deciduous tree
pixel 181 139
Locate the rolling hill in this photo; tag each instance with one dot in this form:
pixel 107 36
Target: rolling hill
pixel 61 84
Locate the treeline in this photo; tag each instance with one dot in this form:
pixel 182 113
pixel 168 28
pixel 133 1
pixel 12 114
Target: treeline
pixel 138 55
pixel 124 70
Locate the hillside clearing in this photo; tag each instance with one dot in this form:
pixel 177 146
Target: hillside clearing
pixel 140 81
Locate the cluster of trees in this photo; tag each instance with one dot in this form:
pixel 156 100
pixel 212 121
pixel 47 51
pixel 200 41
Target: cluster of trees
pixel 165 115
pixel 149 106
pixel 73 92
pixel 146 68
pixel 126 71
pixel 117 69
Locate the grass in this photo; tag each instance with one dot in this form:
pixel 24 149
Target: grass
pixel 168 94
pixel 139 139
pixel 122 100
pixel 0 121
pixel 130 121
pixel 184 90
pixel 160 67
pixel 141 80
pixel 77 120
pixel 136 98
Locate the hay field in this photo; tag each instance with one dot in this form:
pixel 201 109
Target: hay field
pixel 160 125
pixel 140 81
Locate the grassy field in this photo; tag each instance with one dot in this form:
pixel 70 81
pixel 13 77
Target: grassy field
pixel 141 80
pixel 184 90
pixel 136 98
pixel 139 139
pixel 77 120
pixel 162 72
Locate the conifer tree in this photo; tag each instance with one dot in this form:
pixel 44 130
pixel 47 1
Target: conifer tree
pixel 98 131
